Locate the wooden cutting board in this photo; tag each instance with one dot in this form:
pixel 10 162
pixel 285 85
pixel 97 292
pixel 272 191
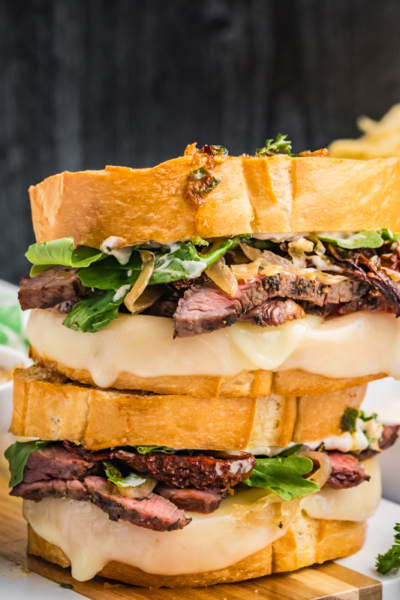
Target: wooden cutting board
pixel 328 581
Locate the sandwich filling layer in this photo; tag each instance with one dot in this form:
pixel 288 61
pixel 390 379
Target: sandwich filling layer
pixel 214 541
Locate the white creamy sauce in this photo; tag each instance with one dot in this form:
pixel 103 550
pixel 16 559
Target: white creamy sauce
pixel 280 237
pixel 355 504
pixel 90 540
pixel 347 346
pixel 113 245
pixel 120 293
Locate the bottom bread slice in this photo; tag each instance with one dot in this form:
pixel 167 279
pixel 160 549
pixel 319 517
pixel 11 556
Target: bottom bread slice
pixel 308 541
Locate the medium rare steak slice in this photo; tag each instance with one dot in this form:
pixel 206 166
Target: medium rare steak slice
pixel 273 312
pixel 51 488
pixel 50 288
pixel 202 501
pixel 56 462
pixel 347 471
pixel 183 471
pixel 153 512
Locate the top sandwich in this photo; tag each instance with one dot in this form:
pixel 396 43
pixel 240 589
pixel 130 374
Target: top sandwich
pixel 208 240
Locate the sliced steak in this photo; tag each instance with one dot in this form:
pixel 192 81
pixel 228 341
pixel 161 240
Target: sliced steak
pixel 347 471
pixel 164 306
pixel 273 312
pixel 57 286
pixel 87 455
pixel 52 488
pixel 206 308
pixel 183 471
pixel 389 435
pixel 55 462
pixel 153 512
pixel 202 501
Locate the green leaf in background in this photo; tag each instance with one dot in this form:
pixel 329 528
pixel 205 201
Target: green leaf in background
pixel 115 476
pixel 391 560
pixel 17 455
pixel 148 449
pixel 283 475
pixel 62 252
pixel 96 311
pixel 109 274
pixel 362 239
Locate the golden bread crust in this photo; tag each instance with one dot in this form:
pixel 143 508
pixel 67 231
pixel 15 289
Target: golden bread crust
pixel 48 406
pixel 253 384
pixel 256 194
pixel 308 541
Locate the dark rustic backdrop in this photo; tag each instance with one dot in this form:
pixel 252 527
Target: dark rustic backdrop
pixel 84 83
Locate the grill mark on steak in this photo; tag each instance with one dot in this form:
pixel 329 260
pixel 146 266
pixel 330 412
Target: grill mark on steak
pixel 203 501
pixel 184 471
pixel 57 287
pixel 273 312
pixel 347 471
pixel 51 488
pixel 55 462
pixel 153 512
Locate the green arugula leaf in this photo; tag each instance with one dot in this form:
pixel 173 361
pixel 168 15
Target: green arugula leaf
pixel 290 451
pixel 62 252
pixel 388 235
pixel 184 262
pixel 95 311
pixel 283 475
pixel 115 476
pixel 391 560
pixel 361 239
pixel 349 419
pixel 148 449
pixel 280 146
pixel 110 274
pixel 17 455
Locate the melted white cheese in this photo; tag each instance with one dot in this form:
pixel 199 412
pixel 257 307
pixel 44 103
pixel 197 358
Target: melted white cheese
pixel 90 540
pixel 355 504
pixel 347 346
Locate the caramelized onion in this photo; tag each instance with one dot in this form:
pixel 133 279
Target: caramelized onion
pixel 137 290
pixel 222 275
pixel 246 271
pixel 321 476
pixel 147 299
pixel 250 252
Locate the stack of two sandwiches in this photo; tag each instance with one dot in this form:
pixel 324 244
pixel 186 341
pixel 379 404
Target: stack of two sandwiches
pixel 203 333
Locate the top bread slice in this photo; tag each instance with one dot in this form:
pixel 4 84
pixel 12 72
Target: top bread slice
pixel 275 194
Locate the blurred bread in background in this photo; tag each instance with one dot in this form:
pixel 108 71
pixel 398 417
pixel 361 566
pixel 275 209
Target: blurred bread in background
pixel 381 139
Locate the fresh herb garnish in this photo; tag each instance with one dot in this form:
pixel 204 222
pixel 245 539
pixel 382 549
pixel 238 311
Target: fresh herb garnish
pixel 206 181
pixel 148 449
pixel 17 455
pixel 115 476
pixel 67 586
pixel 280 146
pixel 284 476
pixel 391 560
pixel 349 419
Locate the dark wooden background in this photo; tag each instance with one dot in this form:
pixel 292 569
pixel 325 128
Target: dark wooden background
pixel 85 83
